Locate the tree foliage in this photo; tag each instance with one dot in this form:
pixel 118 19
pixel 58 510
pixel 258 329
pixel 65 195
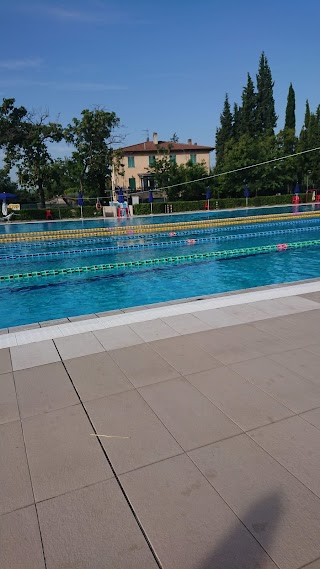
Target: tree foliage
pixel 92 136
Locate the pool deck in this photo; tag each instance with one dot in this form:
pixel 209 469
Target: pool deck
pixel 182 436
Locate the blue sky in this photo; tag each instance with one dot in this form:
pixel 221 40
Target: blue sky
pixel 162 65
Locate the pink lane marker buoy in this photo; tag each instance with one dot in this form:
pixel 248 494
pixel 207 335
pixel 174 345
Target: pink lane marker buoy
pixel 172 234
pixel 282 246
pixel 190 241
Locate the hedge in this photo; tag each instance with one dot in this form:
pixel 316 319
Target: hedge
pixel 145 209
pixel 226 203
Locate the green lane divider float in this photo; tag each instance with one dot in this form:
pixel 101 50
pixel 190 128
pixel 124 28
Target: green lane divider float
pixel 232 253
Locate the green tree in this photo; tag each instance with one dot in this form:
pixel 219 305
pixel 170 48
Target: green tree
pixel 12 125
pixel 290 121
pixel 225 132
pixel 6 184
pixel 163 169
pixel 29 152
pixel 236 125
pixel 266 115
pixel 248 109
pixel 93 137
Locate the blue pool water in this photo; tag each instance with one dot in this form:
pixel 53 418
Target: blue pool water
pixel 44 298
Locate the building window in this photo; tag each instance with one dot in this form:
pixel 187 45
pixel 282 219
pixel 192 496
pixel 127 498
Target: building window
pixel 132 183
pixel 173 158
pixel 152 160
pixel 130 161
pixel 193 158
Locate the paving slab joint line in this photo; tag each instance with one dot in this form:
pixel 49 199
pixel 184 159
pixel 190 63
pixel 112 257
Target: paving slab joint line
pixel 126 497
pixel 29 471
pixel 233 511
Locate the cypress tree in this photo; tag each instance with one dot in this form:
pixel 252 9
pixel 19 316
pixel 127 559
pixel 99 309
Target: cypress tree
pixel 248 111
pixel 266 116
pixel 307 115
pixel 290 122
pixel 225 131
pixel 236 122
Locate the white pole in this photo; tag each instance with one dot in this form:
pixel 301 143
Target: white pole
pixel 151 207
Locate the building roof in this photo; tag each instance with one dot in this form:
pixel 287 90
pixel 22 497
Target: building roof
pixel 149 147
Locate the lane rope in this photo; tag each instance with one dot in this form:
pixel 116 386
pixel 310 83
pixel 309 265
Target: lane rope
pixel 142 229
pixel 133 247
pixel 218 255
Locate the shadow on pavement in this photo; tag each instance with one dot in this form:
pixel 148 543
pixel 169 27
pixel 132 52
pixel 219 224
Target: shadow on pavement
pixel 239 550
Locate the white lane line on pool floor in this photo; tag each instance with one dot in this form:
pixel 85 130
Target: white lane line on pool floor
pixel 73 328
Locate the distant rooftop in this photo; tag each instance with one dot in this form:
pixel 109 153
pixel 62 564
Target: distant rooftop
pixel 155 145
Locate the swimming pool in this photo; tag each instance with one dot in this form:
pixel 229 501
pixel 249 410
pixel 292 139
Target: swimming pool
pixel 43 298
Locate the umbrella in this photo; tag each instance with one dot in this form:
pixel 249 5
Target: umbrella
pixel 297 188
pixel 121 196
pixel 150 199
pixel 4 196
pixel 80 199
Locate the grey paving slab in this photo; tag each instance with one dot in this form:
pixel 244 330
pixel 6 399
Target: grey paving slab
pixel 298 303
pixel 191 418
pixel 280 512
pixel 184 354
pixel 128 415
pixel 78 345
pixel 5 361
pixel 8 400
pixel 153 330
pixel 217 318
pixel 55 322
pixel 142 365
pixel 15 484
pixel 274 307
pixel 263 342
pixel 303 362
pixel 296 445
pixel 35 354
pixel 93 528
pixel 20 542
pixel 314 565
pixel 312 417
pixel 245 404
pixel 223 346
pixel 118 337
pixel 3 331
pixel 189 525
pixel 62 454
pixel 82 317
pixel 314 296
pixel 186 323
pixel 295 392
pixel 97 375
pixel 24 327
pixel 44 388
pixel 245 312
pixel 293 332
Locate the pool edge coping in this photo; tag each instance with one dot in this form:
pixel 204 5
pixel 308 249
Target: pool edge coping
pixel 131 315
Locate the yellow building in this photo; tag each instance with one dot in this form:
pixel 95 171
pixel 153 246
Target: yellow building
pixel 138 158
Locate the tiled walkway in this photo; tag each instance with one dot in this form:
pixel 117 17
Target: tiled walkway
pixel 190 441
